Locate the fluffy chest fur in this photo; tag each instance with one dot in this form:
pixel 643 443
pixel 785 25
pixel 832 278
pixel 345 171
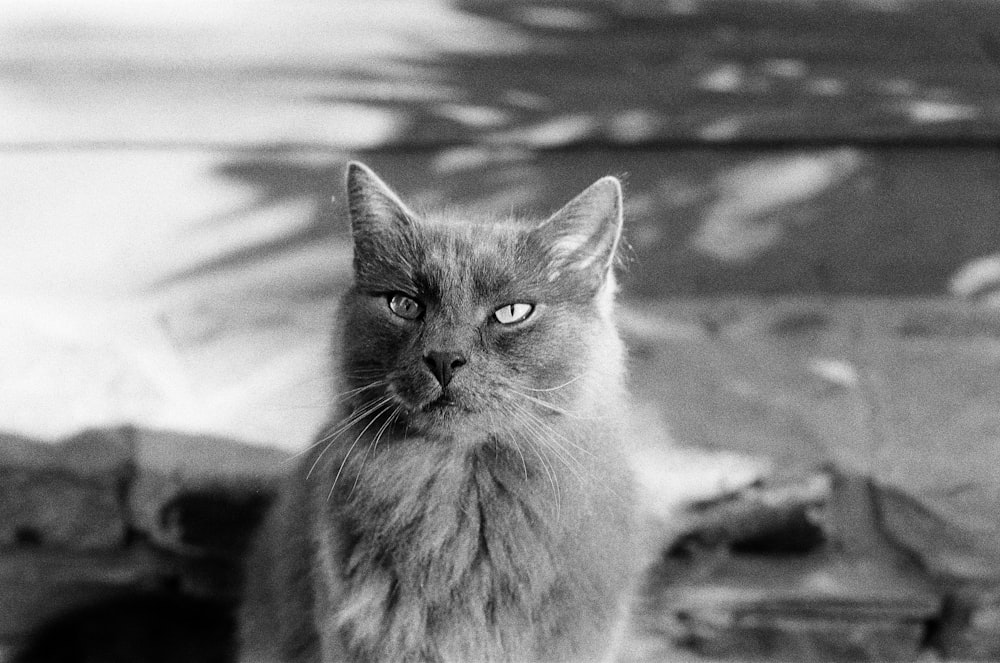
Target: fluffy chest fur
pixel 452 553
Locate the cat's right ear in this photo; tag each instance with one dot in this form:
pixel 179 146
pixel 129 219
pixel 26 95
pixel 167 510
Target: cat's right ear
pixel 583 236
pixel 380 221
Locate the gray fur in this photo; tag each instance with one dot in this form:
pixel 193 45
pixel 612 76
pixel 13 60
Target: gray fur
pixel 498 526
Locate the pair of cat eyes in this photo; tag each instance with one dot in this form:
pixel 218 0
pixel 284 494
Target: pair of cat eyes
pixel 410 309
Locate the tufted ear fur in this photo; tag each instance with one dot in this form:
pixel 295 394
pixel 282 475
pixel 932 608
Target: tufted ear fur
pixel 380 222
pixel 584 234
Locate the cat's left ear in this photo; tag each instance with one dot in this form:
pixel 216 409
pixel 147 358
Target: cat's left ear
pixel 380 222
pixel 584 234
pixel 371 202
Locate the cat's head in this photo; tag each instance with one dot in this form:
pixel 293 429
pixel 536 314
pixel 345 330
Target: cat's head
pixel 457 321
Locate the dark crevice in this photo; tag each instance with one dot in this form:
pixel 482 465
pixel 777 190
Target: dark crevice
pixel 150 627
pixel 25 535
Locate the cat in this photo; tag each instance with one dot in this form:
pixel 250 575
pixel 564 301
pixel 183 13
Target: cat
pixel 470 500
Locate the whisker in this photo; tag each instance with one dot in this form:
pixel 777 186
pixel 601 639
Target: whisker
pixel 516 444
pixel 564 454
pixel 524 464
pixel 374 444
pixel 344 395
pixel 357 416
pixel 338 397
pixel 541 422
pixel 349 451
pixel 323 403
pixel 345 424
pixel 552 442
pixel 551 406
pixel 550 473
pixel 558 386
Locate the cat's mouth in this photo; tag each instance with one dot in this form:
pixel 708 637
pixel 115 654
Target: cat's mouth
pixel 442 402
pixel 446 403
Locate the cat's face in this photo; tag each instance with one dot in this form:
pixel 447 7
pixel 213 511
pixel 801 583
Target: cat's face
pixel 461 323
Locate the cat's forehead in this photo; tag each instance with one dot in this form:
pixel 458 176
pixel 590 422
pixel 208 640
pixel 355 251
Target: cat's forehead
pixel 476 255
pixel 472 235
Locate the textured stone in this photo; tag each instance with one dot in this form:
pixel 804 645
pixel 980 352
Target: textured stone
pixel 786 515
pixel 817 607
pixel 944 543
pixel 37 584
pixel 795 639
pixel 853 598
pixel 961 560
pixel 970 626
pixel 69 495
pixel 199 494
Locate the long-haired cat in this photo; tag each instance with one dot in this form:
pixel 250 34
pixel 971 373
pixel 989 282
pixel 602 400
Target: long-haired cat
pixel 469 500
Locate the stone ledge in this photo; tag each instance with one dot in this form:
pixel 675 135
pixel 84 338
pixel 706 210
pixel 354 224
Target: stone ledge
pixel 732 587
pixel 817 607
pixel 65 496
pixel 99 489
pixel 198 494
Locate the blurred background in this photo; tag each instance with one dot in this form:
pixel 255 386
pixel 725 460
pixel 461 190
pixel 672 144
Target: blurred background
pixel 813 268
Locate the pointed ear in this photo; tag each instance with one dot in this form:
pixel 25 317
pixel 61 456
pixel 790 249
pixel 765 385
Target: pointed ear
pixel 371 201
pixel 584 234
pixel 379 220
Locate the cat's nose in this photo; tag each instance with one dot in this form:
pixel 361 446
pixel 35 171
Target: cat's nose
pixel 444 364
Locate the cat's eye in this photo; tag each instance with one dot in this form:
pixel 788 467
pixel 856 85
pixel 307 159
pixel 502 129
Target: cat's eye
pixel 512 313
pixel 405 306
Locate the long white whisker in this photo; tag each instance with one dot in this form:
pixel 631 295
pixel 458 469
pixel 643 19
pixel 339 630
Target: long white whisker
pixel 541 422
pixel 558 386
pixel 556 448
pixel 329 435
pixel 550 406
pixel 514 441
pixel 552 441
pixel 374 443
pixel 348 454
pixel 346 425
pixel 518 415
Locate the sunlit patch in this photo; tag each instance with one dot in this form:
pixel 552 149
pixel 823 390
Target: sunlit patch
pixel 827 87
pixel 786 68
pixel 683 7
pixel 634 125
pixel 722 129
pixel 458 159
pixel 755 201
pixel 930 112
pixel 473 116
pixel 897 87
pixel 728 77
pixel 554 132
pixel 977 278
pixel 354 126
pixel 525 99
pixel 836 371
pixel 560 18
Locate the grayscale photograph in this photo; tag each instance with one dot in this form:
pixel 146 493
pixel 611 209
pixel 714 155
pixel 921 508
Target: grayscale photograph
pixel 499 331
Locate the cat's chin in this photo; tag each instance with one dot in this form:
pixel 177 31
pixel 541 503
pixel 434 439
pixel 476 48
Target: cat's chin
pixel 443 414
pixel 443 411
